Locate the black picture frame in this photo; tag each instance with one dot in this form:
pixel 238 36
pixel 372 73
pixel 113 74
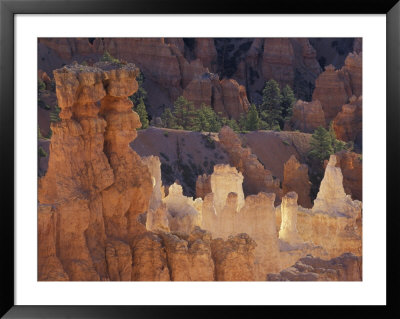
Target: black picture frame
pixel 8 8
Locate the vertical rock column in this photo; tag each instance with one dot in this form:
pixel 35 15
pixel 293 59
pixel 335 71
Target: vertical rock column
pixel 78 171
pixel 129 195
pixel 288 231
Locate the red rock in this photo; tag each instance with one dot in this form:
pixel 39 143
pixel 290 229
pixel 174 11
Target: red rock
pixel 307 116
pixel 203 186
pixel 332 90
pixel 351 166
pixel 353 67
pixel 278 60
pixel 348 122
pixel 296 179
pixel 235 98
pixel 256 177
pixel 205 51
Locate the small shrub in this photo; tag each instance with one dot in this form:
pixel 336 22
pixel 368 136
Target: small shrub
pixel 286 142
pixel 42 152
pixel 55 115
pixel 41 85
pixel 107 57
pixel 165 134
pixel 205 163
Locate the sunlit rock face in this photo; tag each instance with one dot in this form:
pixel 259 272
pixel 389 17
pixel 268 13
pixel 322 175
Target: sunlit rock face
pixel 156 216
pixel 346 267
pixel 288 231
pixel 227 213
pixel 224 180
pixel 334 222
pixel 49 265
pixel 331 198
pixel 256 177
pixel 295 178
pixel 149 258
pixel 183 212
pixel 95 183
pixel 189 257
pixel 234 258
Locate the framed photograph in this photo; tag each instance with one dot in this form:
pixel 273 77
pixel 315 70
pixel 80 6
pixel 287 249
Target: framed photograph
pixel 170 154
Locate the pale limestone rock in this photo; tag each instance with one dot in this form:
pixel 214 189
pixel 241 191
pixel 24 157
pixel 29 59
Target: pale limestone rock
pixel 288 231
pixel 225 213
pixel 331 198
pixel 224 180
pixel 183 212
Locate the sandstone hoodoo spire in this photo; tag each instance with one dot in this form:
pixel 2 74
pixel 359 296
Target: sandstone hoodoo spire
pixel 96 185
pixel 331 198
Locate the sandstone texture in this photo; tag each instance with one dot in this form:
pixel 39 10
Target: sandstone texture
pixel 256 177
pixel 346 267
pixel 95 183
pixel 307 116
pixel 227 213
pixel 296 179
pixel 351 165
pixel 333 88
pixel 348 122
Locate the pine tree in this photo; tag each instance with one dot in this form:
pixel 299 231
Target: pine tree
pixel 206 120
pixel 169 119
pixel 321 144
pixel 141 93
pixel 287 102
pixel 270 108
pixel 141 111
pixel 252 119
pixel 184 113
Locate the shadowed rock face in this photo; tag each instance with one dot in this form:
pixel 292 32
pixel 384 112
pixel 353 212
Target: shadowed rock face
pixel 348 122
pixel 295 178
pixel 333 88
pixel 256 177
pixel 346 267
pixel 307 116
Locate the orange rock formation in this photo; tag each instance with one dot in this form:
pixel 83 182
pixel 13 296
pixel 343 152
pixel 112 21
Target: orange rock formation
pixel 307 116
pixel 95 183
pixel 348 122
pixel 256 177
pixel 296 179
